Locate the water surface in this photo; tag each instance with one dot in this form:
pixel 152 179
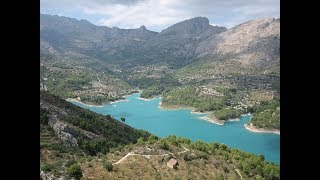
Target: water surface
pixel 148 116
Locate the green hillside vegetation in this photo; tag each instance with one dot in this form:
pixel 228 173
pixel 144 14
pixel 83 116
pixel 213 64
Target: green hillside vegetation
pixel 151 92
pixel 69 78
pixel 146 82
pixel 190 96
pixel 64 83
pixel 112 132
pixel 53 154
pixel 266 114
pixel 98 99
pixel 227 113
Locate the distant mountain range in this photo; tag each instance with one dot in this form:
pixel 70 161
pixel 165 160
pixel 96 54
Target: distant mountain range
pixel 254 43
pixel 100 64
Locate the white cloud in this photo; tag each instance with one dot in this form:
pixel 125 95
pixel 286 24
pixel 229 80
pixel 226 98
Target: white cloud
pixel 159 14
pixel 151 13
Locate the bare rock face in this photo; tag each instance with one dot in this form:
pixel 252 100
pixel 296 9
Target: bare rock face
pixel 176 44
pixel 255 42
pixel 190 26
pixel 50 176
pixel 63 131
pixel 66 132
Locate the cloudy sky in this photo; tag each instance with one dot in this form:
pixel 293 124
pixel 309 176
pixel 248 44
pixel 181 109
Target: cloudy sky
pixel 157 15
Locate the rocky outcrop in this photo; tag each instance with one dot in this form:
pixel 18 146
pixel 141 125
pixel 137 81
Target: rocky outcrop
pixel 176 44
pixel 63 131
pixel 66 132
pixel 50 176
pixel 254 43
pixel 191 26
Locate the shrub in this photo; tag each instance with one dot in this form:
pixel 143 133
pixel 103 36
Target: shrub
pixel 108 166
pixel 89 158
pixel 47 167
pixel 140 141
pixel 152 139
pixel 90 165
pixel 123 119
pixel 75 171
pixel 163 145
pixel 187 157
pixel 70 162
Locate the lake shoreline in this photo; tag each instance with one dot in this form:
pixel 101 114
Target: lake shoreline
pixel 120 100
pixel 208 117
pixel 123 99
pixel 76 100
pixel 144 99
pixel 92 105
pixel 213 120
pixel 204 125
pixel 252 128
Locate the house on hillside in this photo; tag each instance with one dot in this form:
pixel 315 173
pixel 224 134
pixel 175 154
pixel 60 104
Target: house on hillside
pixel 172 163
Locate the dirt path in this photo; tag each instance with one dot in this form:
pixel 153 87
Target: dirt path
pixel 146 155
pixel 239 173
pixel 133 154
pixel 98 79
pixel 185 150
pixel 125 157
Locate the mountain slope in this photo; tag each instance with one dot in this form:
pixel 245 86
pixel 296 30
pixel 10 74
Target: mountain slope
pixel 176 44
pixel 251 45
pixel 131 47
pixel 69 36
pixel 75 126
pixel 255 44
pixel 251 48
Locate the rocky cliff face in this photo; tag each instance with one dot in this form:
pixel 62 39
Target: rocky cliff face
pixel 254 43
pixel 65 36
pixel 66 132
pixel 50 176
pixel 176 44
pixel 188 27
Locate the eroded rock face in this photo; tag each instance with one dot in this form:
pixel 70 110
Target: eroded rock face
pixel 254 42
pixel 50 176
pixel 66 132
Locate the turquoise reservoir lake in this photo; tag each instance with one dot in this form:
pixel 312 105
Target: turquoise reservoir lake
pixel 148 116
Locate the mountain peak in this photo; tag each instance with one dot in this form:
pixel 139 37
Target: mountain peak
pixel 190 26
pixel 142 27
pixel 199 19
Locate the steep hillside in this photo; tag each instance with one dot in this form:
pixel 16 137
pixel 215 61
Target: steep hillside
pixel 249 48
pixel 82 128
pixel 85 78
pixel 71 37
pixel 176 44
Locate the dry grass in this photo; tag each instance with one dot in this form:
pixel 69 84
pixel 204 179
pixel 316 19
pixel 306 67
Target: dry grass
pixel 140 167
pixel 258 96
